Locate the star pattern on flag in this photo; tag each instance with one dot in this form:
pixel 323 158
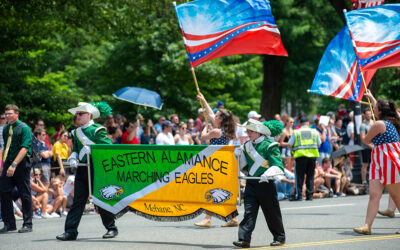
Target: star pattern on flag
pixel 379 56
pixel 205 52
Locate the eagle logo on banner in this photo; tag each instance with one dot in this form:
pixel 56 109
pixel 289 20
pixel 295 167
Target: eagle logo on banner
pixel 109 192
pixel 217 195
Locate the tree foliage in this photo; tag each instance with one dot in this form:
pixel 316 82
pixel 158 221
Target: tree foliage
pixel 56 53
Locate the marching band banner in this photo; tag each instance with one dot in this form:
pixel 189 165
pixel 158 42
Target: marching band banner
pixel 166 183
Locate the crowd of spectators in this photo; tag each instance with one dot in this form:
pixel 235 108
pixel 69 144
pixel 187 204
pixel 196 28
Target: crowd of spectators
pixel 52 181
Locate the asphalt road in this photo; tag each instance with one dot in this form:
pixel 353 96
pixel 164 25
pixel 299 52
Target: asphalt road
pixel 319 224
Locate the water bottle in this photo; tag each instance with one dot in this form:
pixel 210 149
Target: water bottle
pixel 38 211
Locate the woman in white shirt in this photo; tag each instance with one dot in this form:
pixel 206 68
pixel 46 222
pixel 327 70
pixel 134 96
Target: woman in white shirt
pixel 182 138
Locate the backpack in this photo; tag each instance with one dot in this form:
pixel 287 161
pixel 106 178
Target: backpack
pixel 35 157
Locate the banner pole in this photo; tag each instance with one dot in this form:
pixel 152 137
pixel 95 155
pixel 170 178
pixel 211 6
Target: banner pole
pixel 358 62
pixel 89 178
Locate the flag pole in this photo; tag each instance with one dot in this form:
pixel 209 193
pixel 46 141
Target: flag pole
pixel 358 62
pixel 198 92
pixel 193 73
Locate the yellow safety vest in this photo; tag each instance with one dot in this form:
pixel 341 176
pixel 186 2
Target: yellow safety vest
pixel 305 144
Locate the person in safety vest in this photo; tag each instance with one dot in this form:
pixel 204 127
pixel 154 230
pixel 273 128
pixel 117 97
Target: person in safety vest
pixel 88 133
pixel 304 142
pixel 260 157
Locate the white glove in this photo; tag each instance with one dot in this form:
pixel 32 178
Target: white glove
pixel 264 177
pixel 73 162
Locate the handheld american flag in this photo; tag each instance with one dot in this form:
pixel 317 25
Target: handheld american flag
pixel 376 34
pixel 338 74
pixel 217 28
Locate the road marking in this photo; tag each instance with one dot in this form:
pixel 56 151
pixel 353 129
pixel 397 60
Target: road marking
pixel 329 242
pixel 338 205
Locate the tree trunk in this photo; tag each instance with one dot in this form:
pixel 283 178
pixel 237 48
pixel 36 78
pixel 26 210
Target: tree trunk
pixel 339 7
pixel 274 67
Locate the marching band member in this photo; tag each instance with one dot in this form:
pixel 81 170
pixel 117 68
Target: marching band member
pixel 260 157
pixel 88 133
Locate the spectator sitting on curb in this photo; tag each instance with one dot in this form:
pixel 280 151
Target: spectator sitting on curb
pixel 56 194
pixel 331 176
pixel 40 196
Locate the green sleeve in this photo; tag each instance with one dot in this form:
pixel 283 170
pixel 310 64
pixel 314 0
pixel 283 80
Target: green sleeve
pixel 274 157
pixel 26 137
pixel 75 146
pixel 102 137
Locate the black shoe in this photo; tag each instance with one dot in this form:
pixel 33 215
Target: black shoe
pixel 6 229
pixel 294 198
pixel 242 244
pixel 25 229
pixel 67 236
pixel 276 243
pixel 309 198
pixel 110 234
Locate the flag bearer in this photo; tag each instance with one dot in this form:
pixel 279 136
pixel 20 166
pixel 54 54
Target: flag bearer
pixel 88 133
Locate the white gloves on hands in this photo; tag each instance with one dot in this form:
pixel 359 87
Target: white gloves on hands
pixel 73 162
pixel 264 177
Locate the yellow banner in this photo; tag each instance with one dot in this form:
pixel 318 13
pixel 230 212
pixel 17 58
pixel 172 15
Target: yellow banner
pixel 191 179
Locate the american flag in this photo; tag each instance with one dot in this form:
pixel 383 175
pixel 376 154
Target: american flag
pixel 217 28
pixel 385 163
pixel 338 74
pixel 375 32
pixel 360 4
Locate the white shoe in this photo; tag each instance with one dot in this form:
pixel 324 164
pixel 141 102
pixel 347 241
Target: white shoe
pixel 65 213
pixel 17 217
pixel 54 215
pixel 46 216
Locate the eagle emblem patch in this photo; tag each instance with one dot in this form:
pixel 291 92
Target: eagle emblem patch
pixel 109 192
pixel 217 195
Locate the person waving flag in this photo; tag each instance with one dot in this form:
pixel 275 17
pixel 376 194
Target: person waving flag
pixel 217 28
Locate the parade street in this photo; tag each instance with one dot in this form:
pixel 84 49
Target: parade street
pixel 320 224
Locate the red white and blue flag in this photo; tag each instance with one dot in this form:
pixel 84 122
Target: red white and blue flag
pixel 338 74
pixel 376 33
pixel 360 4
pixel 217 28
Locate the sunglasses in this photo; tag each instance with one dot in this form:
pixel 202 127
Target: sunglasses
pixel 190 122
pixel 81 113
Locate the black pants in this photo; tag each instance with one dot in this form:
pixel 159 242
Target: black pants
pixel 261 194
pixel 305 166
pixel 81 195
pixel 21 179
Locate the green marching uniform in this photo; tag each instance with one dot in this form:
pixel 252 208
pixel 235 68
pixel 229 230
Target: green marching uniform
pixel 83 137
pixel 256 158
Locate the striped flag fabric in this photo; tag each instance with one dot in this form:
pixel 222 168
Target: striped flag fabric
pixel 217 28
pixel 360 4
pixel 385 163
pixel 376 33
pixel 338 74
